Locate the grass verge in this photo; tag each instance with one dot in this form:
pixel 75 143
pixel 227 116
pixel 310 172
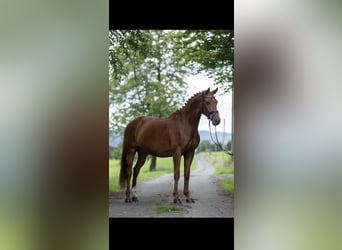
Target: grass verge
pixel 223 164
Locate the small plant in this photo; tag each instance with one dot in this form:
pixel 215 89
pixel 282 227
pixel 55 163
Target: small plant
pixel 228 185
pixel 164 209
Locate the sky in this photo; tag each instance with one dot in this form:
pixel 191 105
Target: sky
pixel 201 82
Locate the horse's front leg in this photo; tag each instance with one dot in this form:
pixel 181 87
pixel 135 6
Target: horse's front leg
pixel 176 175
pixel 188 157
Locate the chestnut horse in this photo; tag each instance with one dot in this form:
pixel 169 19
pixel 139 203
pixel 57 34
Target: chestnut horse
pixel 176 136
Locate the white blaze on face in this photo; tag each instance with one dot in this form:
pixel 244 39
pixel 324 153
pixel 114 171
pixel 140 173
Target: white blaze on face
pixel 134 192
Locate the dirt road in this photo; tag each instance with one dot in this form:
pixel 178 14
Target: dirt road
pixel 156 200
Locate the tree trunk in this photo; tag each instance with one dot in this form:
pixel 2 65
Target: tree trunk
pixel 153 163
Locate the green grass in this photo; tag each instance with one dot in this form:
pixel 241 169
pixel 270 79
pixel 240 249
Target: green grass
pixel 223 164
pixel 221 161
pixel 114 168
pixel 164 209
pixel 164 166
pixel 228 185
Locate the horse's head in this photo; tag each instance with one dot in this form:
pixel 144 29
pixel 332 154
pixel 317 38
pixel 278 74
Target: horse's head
pixel 209 104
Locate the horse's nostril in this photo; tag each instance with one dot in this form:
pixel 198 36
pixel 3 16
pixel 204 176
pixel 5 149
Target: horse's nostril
pixel 216 121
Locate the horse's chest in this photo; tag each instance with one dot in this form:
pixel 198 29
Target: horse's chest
pixel 191 142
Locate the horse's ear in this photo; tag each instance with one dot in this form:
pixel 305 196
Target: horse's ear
pixel 214 91
pixel 207 91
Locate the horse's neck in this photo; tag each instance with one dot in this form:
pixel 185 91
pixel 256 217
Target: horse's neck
pixel 191 115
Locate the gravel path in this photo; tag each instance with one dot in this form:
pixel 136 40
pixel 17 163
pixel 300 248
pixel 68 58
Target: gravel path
pixel 210 199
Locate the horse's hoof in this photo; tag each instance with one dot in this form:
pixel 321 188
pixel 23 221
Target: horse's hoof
pixel 127 200
pixel 190 200
pixel 135 199
pixel 175 200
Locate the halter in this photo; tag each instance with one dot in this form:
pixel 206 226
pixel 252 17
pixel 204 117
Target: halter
pixel 209 113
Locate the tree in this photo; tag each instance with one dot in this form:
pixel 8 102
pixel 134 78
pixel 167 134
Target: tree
pixel 115 152
pixel 144 77
pixel 204 146
pixel 211 52
pixel 229 145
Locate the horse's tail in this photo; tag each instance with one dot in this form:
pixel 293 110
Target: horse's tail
pixel 127 143
pixel 123 169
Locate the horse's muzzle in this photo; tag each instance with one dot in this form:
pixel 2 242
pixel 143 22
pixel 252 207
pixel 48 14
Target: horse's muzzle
pixel 216 121
pixel 214 117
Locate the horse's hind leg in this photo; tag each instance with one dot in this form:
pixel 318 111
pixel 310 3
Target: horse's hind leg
pixel 140 162
pixel 130 157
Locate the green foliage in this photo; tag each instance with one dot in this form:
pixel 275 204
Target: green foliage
pixel 209 51
pixel 115 152
pixel 229 146
pixel 205 146
pixel 144 78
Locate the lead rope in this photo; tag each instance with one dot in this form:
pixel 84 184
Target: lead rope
pixel 217 141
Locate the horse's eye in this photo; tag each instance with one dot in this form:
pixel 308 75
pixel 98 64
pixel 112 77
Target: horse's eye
pixel 207 103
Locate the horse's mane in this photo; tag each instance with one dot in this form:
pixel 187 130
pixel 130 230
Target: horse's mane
pixel 190 100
